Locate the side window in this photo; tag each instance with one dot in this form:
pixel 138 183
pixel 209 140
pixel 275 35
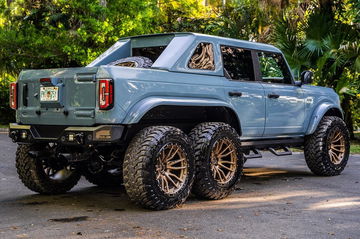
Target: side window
pixel 203 57
pixel 238 63
pixel 273 68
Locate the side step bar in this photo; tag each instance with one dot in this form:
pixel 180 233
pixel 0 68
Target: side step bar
pixel 272 143
pixel 278 147
pixel 286 151
pixel 253 153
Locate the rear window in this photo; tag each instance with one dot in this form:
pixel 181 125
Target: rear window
pixel 203 57
pixel 152 53
pixel 238 64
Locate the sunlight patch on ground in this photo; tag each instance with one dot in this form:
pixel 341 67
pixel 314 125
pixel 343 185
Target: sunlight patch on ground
pixel 246 201
pixel 353 202
pixel 262 173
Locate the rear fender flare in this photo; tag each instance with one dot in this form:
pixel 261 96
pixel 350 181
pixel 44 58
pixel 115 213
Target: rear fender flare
pixel 136 112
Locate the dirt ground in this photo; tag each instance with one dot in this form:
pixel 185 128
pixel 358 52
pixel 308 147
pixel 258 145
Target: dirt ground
pixel 277 198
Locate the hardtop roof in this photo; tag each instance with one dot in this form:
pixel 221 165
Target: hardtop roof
pixel 215 39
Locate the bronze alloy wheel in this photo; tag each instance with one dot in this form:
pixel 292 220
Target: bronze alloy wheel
pixel 327 149
pixel 223 160
pixel 336 146
pixel 159 167
pixel 171 168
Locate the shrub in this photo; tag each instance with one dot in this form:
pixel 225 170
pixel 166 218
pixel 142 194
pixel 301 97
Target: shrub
pixel 7 115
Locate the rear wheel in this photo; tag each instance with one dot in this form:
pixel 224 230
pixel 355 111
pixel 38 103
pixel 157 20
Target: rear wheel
pixel 327 149
pixel 104 170
pixel 104 178
pixel 159 168
pixel 219 161
pixel 44 174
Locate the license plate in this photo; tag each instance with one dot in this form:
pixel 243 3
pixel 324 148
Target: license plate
pixel 49 93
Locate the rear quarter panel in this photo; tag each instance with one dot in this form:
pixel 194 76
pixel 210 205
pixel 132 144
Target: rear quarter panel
pixel 137 86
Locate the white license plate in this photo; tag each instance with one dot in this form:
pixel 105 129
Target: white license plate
pixel 49 93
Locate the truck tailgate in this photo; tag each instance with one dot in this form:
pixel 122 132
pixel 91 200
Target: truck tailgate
pixel 57 96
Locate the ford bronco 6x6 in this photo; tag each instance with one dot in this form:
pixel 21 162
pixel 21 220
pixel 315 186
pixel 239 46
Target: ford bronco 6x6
pixel 169 114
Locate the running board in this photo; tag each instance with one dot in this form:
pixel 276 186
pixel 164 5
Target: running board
pixel 272 143
pixel 286 151
pixel 253 153
pixel 276 146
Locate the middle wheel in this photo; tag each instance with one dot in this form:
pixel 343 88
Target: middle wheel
pixel 219 161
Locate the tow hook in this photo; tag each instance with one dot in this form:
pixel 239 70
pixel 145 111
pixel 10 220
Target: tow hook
pixel 79 137
pixel 14 135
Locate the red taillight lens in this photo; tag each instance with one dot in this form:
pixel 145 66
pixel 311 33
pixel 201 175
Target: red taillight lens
pixel 45 80
pixel 106 94
pixel 13 95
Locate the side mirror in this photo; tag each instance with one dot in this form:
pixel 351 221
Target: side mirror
pixel 306 77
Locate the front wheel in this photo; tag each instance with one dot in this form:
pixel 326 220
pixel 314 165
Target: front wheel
pixel 327 149
pixel 159 168
pixel 44 174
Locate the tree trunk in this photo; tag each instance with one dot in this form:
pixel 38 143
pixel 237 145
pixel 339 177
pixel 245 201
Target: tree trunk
pixel 284 4
pixel 346 106
pixel 326 4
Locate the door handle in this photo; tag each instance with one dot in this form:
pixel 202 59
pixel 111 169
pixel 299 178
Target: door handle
pixel 273 96
pixel 235 94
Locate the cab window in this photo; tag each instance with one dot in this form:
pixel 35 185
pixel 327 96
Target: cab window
pixel 203 57
pixel 238 64
pixel 273 68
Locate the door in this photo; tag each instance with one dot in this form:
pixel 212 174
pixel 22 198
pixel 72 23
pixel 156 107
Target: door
pixel 285 104
pixel 243 92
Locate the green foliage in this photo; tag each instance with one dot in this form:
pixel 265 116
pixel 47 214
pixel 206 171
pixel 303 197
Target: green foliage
pixel 6 114
pixel 181 15
pixel 327 41
pixel 63 33
pixel 269 67
pixel 320 35
pixel 242 19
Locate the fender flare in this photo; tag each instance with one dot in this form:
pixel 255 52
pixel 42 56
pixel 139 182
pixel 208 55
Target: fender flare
pixel 138 110
pixel 318 114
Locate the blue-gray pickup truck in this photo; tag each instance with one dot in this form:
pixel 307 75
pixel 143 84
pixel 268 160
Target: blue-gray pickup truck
pixel 169 114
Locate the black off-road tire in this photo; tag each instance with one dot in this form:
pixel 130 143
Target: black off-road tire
pixel 31 173
pixel 140 172
pixel 133 61
pixel 204 137
pixel 316 147
pixel 103 178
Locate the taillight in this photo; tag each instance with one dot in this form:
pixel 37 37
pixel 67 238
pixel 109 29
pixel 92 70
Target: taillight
pixel 13 95
pixel 45 81
pixel 106 94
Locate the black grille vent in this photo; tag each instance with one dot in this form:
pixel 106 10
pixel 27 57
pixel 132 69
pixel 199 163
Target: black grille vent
pixel 47 131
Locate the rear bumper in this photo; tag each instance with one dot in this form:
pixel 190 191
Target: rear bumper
pixel 66 135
